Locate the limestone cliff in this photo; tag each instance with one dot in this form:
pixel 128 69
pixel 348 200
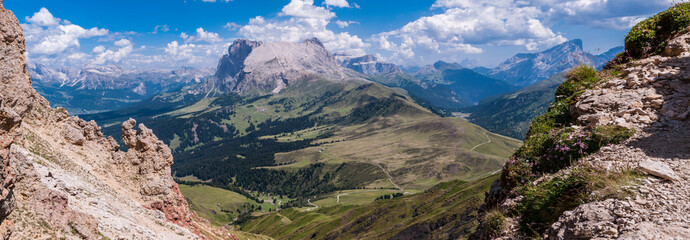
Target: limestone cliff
pixel 61 178
pixel 253 67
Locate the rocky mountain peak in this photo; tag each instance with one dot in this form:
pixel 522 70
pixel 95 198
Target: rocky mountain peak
pixel 233 62
pixel 441 65
pixel 314 41
pixel 525 69
pixel 269 67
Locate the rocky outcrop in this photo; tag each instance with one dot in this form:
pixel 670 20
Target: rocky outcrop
pixel 61 178
pixel 13 79
pixel 9 121
pixel 150 158
pixel 252 67
pixel 651 96
pixel 14 76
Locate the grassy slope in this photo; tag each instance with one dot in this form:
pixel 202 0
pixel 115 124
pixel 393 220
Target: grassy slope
pixel 417 147
pixel 418 153
pixel 217 205
pixel 447 210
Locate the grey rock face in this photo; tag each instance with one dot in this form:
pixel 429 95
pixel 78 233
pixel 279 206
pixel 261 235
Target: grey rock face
pixel 231 64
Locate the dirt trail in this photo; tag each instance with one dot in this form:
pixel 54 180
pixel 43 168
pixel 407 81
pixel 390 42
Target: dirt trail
pixel 315 206
pixel 390 178
pixel 487 137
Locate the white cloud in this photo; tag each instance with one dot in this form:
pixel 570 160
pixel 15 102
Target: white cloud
pixel 43 18
pixel 48 35
pixel 58 39
pixel 300 20
pixel 337 3
pixel 161 28
pixel 613 14
pixel 56 42
pixel 98 49
pixel 464 24
pixel 192 54
pixel 212 1
pixel 122 43
pixel 115 56
pixel 180 52
pixel 231 26
pixel 344 24
pixel 306 9
pixel 201 36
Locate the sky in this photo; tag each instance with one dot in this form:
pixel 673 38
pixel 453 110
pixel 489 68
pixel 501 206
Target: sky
pixel 169 34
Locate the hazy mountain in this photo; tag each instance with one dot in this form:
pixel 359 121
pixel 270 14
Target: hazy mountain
pixel 528 68
pixel 104 88
pixel 410 69
pixel 367 64
pixel 431 95
pixel 511 113
pixel 465 82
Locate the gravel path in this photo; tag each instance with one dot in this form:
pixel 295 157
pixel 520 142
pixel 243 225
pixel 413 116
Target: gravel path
pixel 487 137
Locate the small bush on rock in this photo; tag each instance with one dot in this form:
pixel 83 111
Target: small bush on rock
pixel 651 36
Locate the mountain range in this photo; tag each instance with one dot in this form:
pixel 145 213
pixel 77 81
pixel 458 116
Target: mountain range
pixel 102 88
pixel 525 69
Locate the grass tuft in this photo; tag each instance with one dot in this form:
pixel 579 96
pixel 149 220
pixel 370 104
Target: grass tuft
pixel 494 223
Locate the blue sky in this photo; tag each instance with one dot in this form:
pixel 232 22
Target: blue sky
pixel 175 33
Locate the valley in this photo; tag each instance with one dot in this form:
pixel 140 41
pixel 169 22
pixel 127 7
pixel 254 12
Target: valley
pixel 318 139
pixel 318 142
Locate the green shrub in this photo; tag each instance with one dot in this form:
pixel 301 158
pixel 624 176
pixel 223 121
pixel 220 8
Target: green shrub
pixel 493 224
pixel 558 149
pixel 651 36
pixel 579 79
pixel 544 203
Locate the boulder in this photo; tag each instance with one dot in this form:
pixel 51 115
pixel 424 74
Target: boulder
pixel 658 169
